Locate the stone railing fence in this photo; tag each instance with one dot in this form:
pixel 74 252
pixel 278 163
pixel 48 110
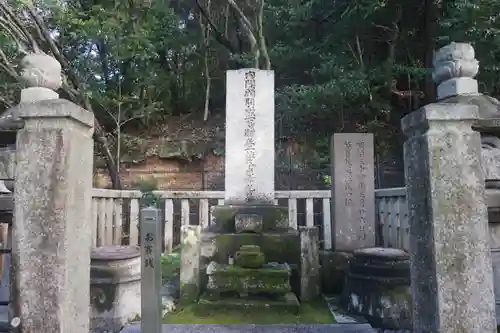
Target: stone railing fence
pixel 392 226
pixel 115 214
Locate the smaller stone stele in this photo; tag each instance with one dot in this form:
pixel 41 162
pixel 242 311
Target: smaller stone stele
pixel 248 223
pixel 249 256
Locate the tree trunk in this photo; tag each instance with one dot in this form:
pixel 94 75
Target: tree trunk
pixel 100 138
pixel 431 29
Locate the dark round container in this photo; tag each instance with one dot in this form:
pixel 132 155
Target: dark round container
pixel 378 287
pixel 115 287
pixel 384 264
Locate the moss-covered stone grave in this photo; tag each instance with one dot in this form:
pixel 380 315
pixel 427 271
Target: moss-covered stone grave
pixel 244 267
pixel 250 282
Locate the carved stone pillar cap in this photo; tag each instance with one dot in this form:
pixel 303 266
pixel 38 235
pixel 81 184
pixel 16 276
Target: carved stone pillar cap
pixel 41 70
pixel 42 74
pixel 455 60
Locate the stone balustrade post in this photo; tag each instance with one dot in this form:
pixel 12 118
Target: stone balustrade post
pixel 451 268
pixel 52 204
pixel 309 263
pixel 190 263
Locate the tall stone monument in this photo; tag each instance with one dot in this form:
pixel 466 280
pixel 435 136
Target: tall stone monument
pixel 52 203
pixel 249 173
pixel 451 268
pixel 249 238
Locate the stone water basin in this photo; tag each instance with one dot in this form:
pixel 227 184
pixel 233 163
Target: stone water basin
pixel 378 287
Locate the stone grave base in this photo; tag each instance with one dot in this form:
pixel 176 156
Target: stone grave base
pixel 220 242
pixel 332 328
pixel 209 303
pixel 236 287
pixel 277 246
pixel 267 279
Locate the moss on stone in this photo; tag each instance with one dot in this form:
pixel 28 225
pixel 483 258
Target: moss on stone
pixel 309 313
pixel 189 292
pixel 249 259
pixel 267 271
pixel 277 247
pixel 249 256
pixel 250 248
pixel 284 303
pixel 229 278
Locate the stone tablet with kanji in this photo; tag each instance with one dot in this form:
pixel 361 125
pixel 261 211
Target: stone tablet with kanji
pixel 151 270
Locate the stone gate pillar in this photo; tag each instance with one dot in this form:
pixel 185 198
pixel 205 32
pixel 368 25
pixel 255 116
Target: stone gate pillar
pixel 52 204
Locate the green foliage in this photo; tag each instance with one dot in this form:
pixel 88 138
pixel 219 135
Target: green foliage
pixel 477 22
pixel 171 264
pixel 147 186
pixel 340 65
pixel 340 60
pixel 315 312
pixel 116 48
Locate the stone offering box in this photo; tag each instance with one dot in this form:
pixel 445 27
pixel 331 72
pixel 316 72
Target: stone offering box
pixel 250 257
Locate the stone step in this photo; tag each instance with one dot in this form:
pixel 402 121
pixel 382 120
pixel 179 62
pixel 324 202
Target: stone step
pixel 287 302
pixel 330 328
pixel 268 279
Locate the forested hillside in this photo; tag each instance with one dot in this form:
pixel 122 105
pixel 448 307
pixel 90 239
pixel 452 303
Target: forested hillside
pixel 340 65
